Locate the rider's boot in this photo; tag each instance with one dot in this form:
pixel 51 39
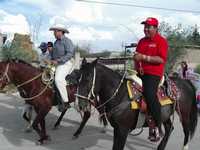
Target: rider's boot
pixel 154 135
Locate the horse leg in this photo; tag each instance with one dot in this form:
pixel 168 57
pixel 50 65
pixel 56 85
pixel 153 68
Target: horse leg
pixel 103 119
pixel 43 131
pixel 160 131
pixel 35 125
pixel 29 120
pixel 120 136
pixel 86 116
pixel 40 120
pixel 60 119
pixel 105 123
pixel 27 116
pixel 168 130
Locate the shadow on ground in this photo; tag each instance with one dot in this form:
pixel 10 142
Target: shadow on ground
pixel 12 125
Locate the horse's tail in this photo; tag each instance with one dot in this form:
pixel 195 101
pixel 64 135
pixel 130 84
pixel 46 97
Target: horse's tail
pixel 193 113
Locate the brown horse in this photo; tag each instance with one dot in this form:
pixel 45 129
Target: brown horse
pixel 28 81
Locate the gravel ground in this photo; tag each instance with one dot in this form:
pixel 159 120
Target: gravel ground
pixel 13 137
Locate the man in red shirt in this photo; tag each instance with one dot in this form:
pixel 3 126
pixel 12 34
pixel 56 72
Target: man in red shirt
pixel 150 59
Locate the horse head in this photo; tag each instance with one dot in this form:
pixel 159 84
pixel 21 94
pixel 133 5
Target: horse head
pixel 16 72
pixel 86 86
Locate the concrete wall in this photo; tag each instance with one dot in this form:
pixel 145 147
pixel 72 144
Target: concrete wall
pixel 192 57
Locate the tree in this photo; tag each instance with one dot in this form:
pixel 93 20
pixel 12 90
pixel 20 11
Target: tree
pixel 177 38
pixel 194 37
pixel 19 48
pixel 35 26
pixel 9 52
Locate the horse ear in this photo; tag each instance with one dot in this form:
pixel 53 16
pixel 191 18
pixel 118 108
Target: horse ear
pixel 96 61
pixel 84 61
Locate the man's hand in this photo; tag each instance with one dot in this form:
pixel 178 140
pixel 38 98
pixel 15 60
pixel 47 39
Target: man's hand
pixel 138 57
pixel 54 62
pixel 46 61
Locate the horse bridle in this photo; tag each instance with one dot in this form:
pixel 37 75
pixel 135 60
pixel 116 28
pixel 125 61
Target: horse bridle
pixel 5 74
pixel 91 93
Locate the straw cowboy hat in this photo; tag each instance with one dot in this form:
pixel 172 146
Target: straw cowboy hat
pixel 59 27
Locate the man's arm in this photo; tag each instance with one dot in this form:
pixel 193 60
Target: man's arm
pixel 159 59
pixel 69 50
pixel 153 59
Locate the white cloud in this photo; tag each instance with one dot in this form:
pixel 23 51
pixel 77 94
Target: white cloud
pixel 80 12
pixel 13 23
pixel 89 34
pixel 87 22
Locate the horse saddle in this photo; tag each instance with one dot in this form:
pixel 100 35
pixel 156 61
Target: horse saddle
pixel 71 80
pixel 49 74
pixel 167 93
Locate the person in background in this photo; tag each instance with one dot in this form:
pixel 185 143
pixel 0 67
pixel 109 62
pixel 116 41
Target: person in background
pixel 194 77
pixel 44 54
pixel 183 69
pixel 50 48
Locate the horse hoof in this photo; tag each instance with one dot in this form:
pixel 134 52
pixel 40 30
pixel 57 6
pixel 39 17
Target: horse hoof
pixel 103 131
pixel 27 130
pixel 39 142
pixel 55 127
pixel 185 147
pixel 47 138
pixel 75 137
pixel 43 140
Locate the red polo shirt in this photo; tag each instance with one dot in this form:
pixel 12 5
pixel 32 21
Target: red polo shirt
pixel 156 46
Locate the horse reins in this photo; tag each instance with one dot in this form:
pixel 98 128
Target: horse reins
pixel 24 83
pixel 30 80
pixel 93 94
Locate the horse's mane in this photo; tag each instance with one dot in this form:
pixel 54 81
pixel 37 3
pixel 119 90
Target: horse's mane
pixel 109 70
pixel 18 61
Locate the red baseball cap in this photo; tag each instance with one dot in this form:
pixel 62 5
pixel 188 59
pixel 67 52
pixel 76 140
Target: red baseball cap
pixel 150 21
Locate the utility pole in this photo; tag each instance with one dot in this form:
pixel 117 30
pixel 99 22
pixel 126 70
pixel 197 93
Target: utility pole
pixel 131 45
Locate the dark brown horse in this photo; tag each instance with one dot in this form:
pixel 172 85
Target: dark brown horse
pixel 28 81
pixel 112 90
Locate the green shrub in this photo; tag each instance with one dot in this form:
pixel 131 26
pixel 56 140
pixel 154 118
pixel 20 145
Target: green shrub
pixel 11 52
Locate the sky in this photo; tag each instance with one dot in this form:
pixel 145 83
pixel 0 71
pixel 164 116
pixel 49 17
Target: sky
pixel 101 27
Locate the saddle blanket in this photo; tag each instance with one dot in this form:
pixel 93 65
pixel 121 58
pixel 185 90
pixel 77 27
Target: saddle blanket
pixel 137 100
